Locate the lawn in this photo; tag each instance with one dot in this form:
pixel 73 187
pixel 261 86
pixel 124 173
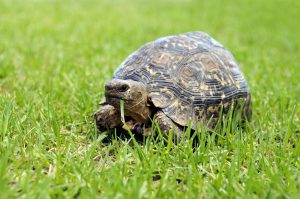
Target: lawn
pixel 55 57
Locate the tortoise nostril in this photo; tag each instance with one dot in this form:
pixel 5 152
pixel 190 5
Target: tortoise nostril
pixel 95 115
pixel 108 87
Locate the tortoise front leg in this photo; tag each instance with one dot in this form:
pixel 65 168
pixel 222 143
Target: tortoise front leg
pixel 166 124
pixel 107 117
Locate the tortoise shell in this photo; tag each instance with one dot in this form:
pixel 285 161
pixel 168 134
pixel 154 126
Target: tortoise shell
pixel 188 76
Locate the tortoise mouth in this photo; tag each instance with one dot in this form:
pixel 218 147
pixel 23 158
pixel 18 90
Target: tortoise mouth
pixel 115 98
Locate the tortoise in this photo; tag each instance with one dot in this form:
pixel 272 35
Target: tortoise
pixel 177 80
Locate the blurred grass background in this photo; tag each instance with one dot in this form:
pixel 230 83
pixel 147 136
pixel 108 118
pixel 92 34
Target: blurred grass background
pixel 55 57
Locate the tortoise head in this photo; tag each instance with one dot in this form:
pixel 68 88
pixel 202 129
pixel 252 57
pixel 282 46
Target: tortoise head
pixel 134 95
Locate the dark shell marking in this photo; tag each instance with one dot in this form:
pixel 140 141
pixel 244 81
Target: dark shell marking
pixel 188 76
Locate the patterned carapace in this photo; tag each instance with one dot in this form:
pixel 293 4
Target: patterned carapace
pixel 188 76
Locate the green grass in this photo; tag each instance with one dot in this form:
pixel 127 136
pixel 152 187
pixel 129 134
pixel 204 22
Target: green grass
pixel 55 57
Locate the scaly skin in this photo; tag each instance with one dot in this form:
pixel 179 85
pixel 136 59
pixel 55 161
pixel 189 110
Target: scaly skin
pixel 107 117
pixel 166 124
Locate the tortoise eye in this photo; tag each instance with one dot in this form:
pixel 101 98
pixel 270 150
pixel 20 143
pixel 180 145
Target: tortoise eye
pixel 123 88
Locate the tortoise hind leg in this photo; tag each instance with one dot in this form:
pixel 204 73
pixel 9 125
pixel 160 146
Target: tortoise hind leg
pixel 107 117
pixel 166 124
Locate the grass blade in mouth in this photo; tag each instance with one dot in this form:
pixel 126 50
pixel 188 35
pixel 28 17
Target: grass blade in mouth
pixel 122 111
